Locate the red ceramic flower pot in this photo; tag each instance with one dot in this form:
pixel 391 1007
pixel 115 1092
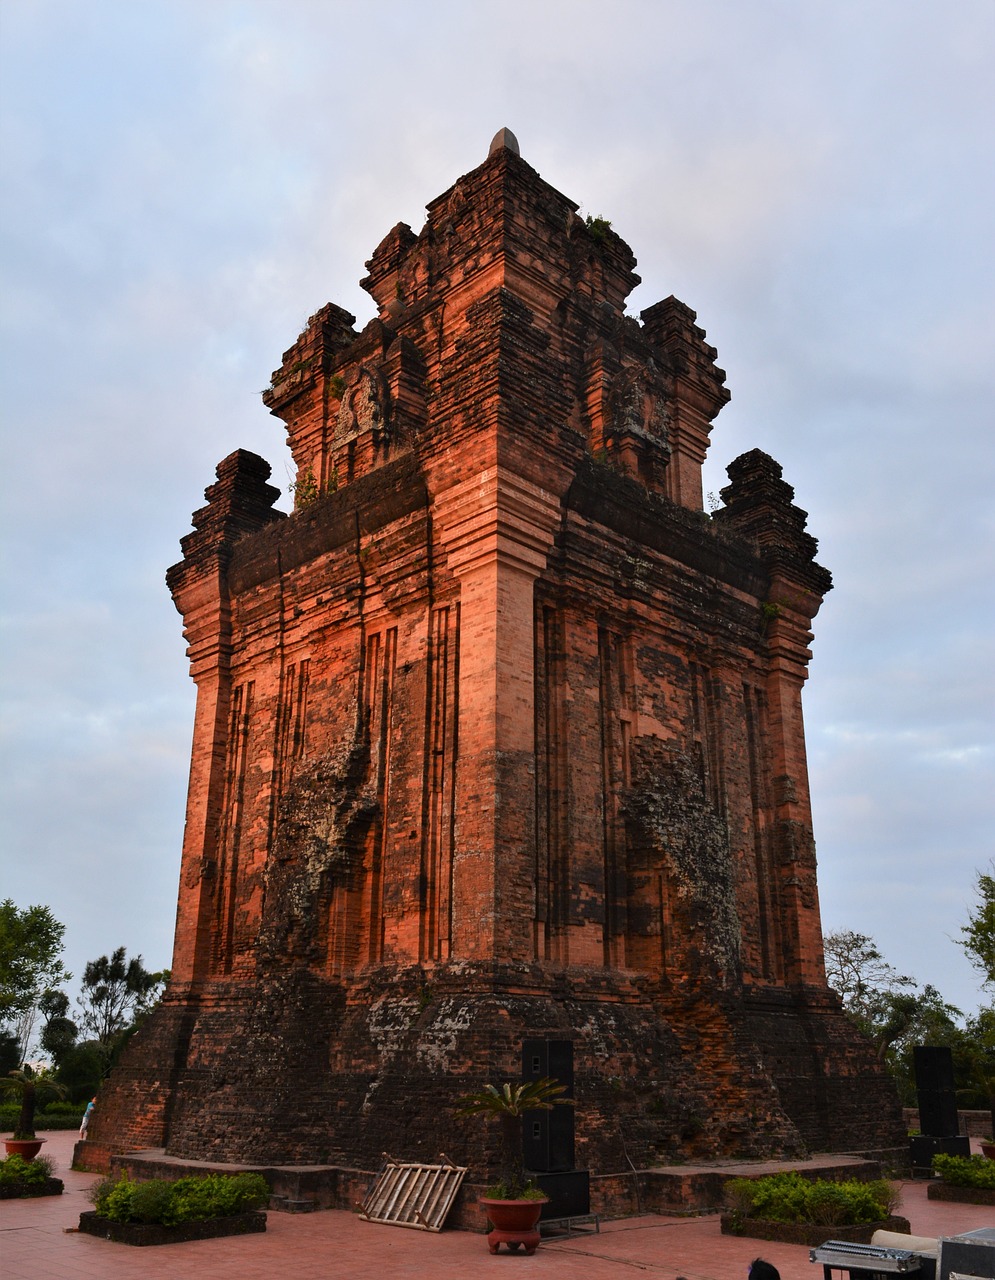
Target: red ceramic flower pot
pixel 514 1223
pixel 26 1148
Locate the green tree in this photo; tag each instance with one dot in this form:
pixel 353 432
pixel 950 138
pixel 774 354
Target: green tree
pixel 978 935
pixel 30 947
pixel 878 998
pixel 10 1052
pixel 78 1067
pixel 58 1035
pixel 117 992
pixel 927 1019
pixel 891 1010
pixel 974 1063
pixel 81 1069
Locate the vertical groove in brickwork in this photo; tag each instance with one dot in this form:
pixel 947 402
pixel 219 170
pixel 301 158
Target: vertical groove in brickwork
pixel 614 772
pixel 449 826
pixel 715 695
pixel 666 928
pixel 291 720
pixel 440 773
pixel 768 915
pixel 379 703
pixel 698 676
pixel 436 764
pixel 552 820
pixel 228 871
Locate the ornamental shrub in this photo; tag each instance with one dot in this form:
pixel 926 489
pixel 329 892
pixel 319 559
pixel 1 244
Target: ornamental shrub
pixel 966 1171
pixel 73 1109
pixel 44 1119
pixel 828 1204
pixel 180 1200
pixel 216 1196
pixel 16 1170
pixel 788 1197
pixel 150 1201
pixel 119 1200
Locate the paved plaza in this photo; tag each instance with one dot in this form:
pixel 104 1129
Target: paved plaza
pixel 37 1243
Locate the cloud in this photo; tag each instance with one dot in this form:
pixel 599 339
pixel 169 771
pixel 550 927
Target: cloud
pixel 186 183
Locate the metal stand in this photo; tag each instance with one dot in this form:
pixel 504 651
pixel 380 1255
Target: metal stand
pixel 581 1224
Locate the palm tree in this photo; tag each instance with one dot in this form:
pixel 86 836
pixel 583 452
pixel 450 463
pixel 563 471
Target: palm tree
pixel 29 1086
pixel 509 1104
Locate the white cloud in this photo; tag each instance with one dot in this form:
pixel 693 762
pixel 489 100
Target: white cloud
pixel 186 183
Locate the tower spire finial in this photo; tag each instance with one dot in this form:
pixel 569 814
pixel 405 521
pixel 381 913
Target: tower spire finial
pixel 504 138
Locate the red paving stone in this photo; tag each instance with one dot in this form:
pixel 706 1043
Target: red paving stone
pixel 331 1245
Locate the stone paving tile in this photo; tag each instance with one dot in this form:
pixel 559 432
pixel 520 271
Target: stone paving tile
pixel 34 1245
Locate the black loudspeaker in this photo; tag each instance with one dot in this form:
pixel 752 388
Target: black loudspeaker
pixel 548 1136
pixel 971 1255
pixel 569 1194
pixel 934 1067
pixel 923 1149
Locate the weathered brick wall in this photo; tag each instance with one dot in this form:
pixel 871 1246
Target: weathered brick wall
pixel 497 735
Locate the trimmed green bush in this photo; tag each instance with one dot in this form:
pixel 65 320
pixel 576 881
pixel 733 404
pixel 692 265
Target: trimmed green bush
pixel 45 1124
pixel 966 1171
pixel 16 1170
pixel 43 1119
pixel 73 1109
pixel 788 1197
pixel 189 1199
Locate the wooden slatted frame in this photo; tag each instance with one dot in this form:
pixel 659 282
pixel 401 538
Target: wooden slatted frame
pixel 413 1195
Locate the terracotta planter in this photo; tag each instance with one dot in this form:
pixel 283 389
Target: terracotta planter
pixel 26 1148
pixel 513 1222
pixel 988 1150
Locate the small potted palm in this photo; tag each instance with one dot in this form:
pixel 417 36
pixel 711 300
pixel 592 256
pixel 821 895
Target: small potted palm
pixel 513 1203
pixel 29 1086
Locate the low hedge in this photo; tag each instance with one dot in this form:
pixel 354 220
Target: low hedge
pixel 190 1199
pixel 966 1171
pixel 20 1177
pixel 16 1169
pixel 44 1120
pixel 788 1197
pixel 50 1109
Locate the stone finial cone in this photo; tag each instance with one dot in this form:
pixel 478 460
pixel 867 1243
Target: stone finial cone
pixel 504 138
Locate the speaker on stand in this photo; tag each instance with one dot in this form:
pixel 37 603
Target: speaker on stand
pixel 938 1119
pixel 548 1136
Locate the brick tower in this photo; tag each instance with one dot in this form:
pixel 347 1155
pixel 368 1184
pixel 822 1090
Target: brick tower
pixel 498 736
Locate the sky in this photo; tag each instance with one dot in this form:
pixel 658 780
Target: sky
pixel 183 184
